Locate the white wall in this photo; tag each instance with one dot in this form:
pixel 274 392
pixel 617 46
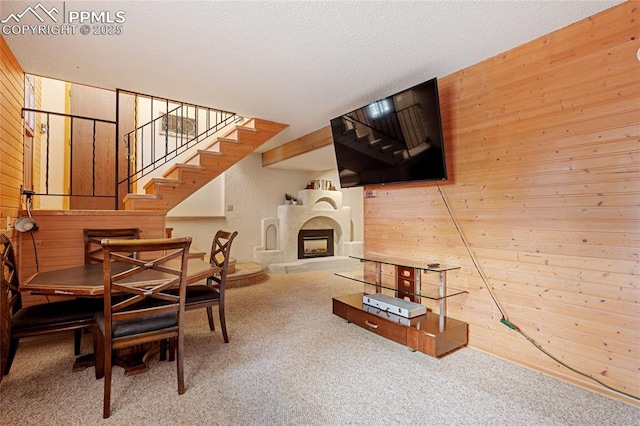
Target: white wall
pixel 254 192
pixel 207 201
pixel 53 99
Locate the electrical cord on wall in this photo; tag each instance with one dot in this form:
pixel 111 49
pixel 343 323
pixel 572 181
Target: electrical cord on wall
pixel 35 251
pixel 504 320
pixel 34 227
pixel 473 259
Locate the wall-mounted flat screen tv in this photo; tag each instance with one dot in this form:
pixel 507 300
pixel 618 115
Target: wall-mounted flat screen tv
pixel 392 140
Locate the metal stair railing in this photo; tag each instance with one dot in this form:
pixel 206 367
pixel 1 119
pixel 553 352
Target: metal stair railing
pixel 89 174
pixel 52 125
pixel 176 128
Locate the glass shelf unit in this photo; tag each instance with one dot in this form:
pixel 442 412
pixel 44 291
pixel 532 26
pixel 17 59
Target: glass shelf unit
pixel 406 263
pixel 388 282
pixel 402 277
pixel 432 333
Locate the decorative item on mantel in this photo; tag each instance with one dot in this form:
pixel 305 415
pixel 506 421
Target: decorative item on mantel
pixel 322 184
pixel 290 199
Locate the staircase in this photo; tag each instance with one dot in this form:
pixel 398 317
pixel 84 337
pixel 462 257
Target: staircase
pixel 183 179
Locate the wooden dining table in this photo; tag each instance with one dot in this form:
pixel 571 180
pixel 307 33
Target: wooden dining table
pixel 86 281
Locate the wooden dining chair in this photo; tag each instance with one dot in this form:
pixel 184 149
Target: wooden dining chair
pixel 143 311
pixel 93 239
pixel 213 292
pixel 93 254
pixel 17 322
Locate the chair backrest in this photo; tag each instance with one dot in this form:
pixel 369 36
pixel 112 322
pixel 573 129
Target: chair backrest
pixel 142 284
pixel 93 238
pixel 10 298
pixel 220 255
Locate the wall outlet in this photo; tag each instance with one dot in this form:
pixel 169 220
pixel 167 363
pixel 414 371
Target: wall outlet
pixel 370 193
pixel 9 223
pixel 229 207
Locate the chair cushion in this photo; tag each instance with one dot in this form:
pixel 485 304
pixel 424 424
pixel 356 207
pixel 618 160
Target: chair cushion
pixel 140 325
pixel 199 293
pixel 55 314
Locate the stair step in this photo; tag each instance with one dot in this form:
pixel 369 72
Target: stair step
pixel 159 182
pixel 206 153
pixel 195 158
pixel 271 127
pixel 183 179
pixel 214 162
pixel 233 135
pixel 245 274
pixel 140 198
pixel 228 140
pixel 221 141
pixel 200 158
pixel 176 170
pixel 247 135
pixel 215 145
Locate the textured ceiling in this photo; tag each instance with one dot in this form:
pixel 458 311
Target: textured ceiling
pixel 300 63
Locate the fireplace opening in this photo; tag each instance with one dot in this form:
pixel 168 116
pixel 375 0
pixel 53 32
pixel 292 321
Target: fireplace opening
pixel 315 243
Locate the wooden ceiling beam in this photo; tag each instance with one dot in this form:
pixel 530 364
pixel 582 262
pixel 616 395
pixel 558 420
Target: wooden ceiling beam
pixel 312 141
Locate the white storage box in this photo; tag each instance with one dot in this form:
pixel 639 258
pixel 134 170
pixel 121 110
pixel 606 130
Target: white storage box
pixel 401 307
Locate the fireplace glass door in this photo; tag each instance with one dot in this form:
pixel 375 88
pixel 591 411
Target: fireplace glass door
pixel 315 243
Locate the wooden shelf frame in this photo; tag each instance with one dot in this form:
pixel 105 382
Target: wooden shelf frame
pixel 406 282
pixel 430 334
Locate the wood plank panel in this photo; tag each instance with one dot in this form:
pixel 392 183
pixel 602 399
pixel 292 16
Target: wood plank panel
pixel 312 141
pixel 543 188
pixel 547 93
pixel 11 101
pixel 59 240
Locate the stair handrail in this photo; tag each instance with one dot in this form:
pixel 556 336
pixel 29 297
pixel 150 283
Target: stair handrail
pixel 46 143
pixel 221 120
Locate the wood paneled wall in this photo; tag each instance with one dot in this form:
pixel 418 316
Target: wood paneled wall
pixel 59 241
pixel 542 146
pixel 11 102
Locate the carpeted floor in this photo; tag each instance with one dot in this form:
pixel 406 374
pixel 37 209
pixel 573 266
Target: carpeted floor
pixel 290 361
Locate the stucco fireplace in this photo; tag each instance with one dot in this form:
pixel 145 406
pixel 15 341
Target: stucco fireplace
pixel 317 210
